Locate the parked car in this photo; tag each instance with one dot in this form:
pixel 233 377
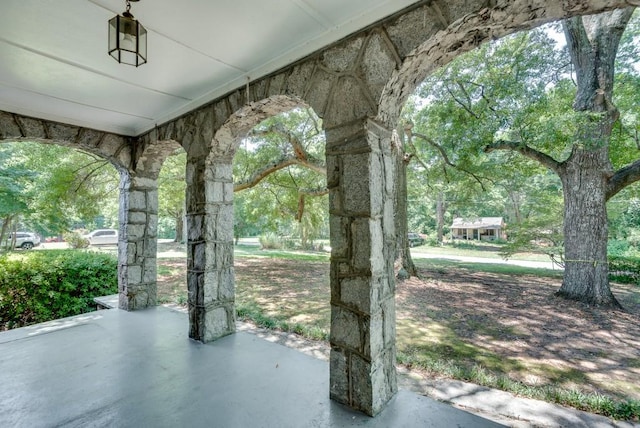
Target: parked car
pixel 25 240
pixel 415 239
pixel 102 237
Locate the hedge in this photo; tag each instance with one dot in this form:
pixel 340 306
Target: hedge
pixel 625 270
pixel 40 286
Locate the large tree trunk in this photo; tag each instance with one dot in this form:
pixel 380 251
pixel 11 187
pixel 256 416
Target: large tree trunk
pixel 404 265
pixel 441 209
pixel 179 227
pixel 593 44
pixel 586 274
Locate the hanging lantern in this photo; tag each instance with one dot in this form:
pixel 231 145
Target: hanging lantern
pixel 127 39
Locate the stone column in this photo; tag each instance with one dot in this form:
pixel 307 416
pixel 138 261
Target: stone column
pixel 360 176
pixel 210 274
pixel 137 241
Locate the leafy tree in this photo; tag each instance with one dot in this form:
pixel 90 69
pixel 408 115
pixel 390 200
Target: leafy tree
pixel 281 170
pixel 14 181
pixel 587 171
pixel 48 188
pixel 171 192
pixel 516 95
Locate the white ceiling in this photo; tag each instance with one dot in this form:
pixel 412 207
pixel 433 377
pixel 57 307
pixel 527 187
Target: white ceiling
pixel 54 62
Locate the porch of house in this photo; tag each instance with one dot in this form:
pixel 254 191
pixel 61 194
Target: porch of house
pixel 119 368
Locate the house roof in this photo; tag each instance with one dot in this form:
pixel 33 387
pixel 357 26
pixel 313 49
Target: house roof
pixel 478 223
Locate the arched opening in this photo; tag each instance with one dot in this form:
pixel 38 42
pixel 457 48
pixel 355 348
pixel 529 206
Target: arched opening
pixel 504 331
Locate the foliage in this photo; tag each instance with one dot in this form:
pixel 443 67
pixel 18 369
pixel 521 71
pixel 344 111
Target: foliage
pixel 271 241
pixel 252 312
pixel 495 91
pixel 171 197
pixel 624 269
pixel 43 285
pixel 75 240
pixel 50 197
pixel 280 178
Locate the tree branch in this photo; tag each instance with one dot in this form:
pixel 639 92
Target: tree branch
pixel 281 163
pixel 622 178
pixel 446 159
pixel 462 104
pixel 435 145
pixel 525 150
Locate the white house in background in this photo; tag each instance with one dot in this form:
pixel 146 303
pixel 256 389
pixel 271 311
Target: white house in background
pixel 481 229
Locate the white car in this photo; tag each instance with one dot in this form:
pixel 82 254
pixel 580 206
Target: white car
pixel 25 240
pixel 102 237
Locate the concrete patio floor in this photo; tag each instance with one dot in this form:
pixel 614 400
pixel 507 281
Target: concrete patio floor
pixel 139 369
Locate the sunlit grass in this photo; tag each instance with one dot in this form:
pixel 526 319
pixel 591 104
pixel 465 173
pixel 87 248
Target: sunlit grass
pixel 502 269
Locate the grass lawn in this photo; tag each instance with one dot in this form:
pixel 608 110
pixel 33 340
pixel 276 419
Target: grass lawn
pixel 492 324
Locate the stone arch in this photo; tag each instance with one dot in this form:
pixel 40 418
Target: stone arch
pixel 454 30
pixel 228 137
pixel 114 148
pixel 210 270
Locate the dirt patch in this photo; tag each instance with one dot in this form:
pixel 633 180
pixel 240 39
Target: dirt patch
pixel 518 318
pixel 510 324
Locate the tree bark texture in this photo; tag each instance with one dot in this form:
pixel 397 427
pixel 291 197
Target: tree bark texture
pixel 441 209
pixel 593 44
pixel 404 266
pixel 586 274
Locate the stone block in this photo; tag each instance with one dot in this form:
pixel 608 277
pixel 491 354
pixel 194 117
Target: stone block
pixel 374 335
pixel 131 252
pixel 344 269
pixel 149 275
pixel 152 202
pixel 211 284
pixel 135 232
pixel 137 200
pixel 8 127
pixel 345 328
pixel 150 247
pixel 355 184
pixel 339 236
pixel 215 191
pixel 361 384
pixel 367 245
pixel 226 285
pixel 228 192
pixel 223 172
pixel 196 230
pixel 143 183
pixel 137 217
pixel 378 63
pixel 389 319
pixel 195 288
pixel 134 275
pixel 152 224
pixel 199 257
pixel 223 255
pixel 336 207
pixel 216 324
pixel 343 56
pixel 338 376
pixel 356 292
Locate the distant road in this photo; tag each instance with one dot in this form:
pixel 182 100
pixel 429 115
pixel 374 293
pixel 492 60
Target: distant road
pixel 416 254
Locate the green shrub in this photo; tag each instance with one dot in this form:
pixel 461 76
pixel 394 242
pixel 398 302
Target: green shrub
pixel 271 241
pixel 624 269
pixel 43 285
pixel 75 240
